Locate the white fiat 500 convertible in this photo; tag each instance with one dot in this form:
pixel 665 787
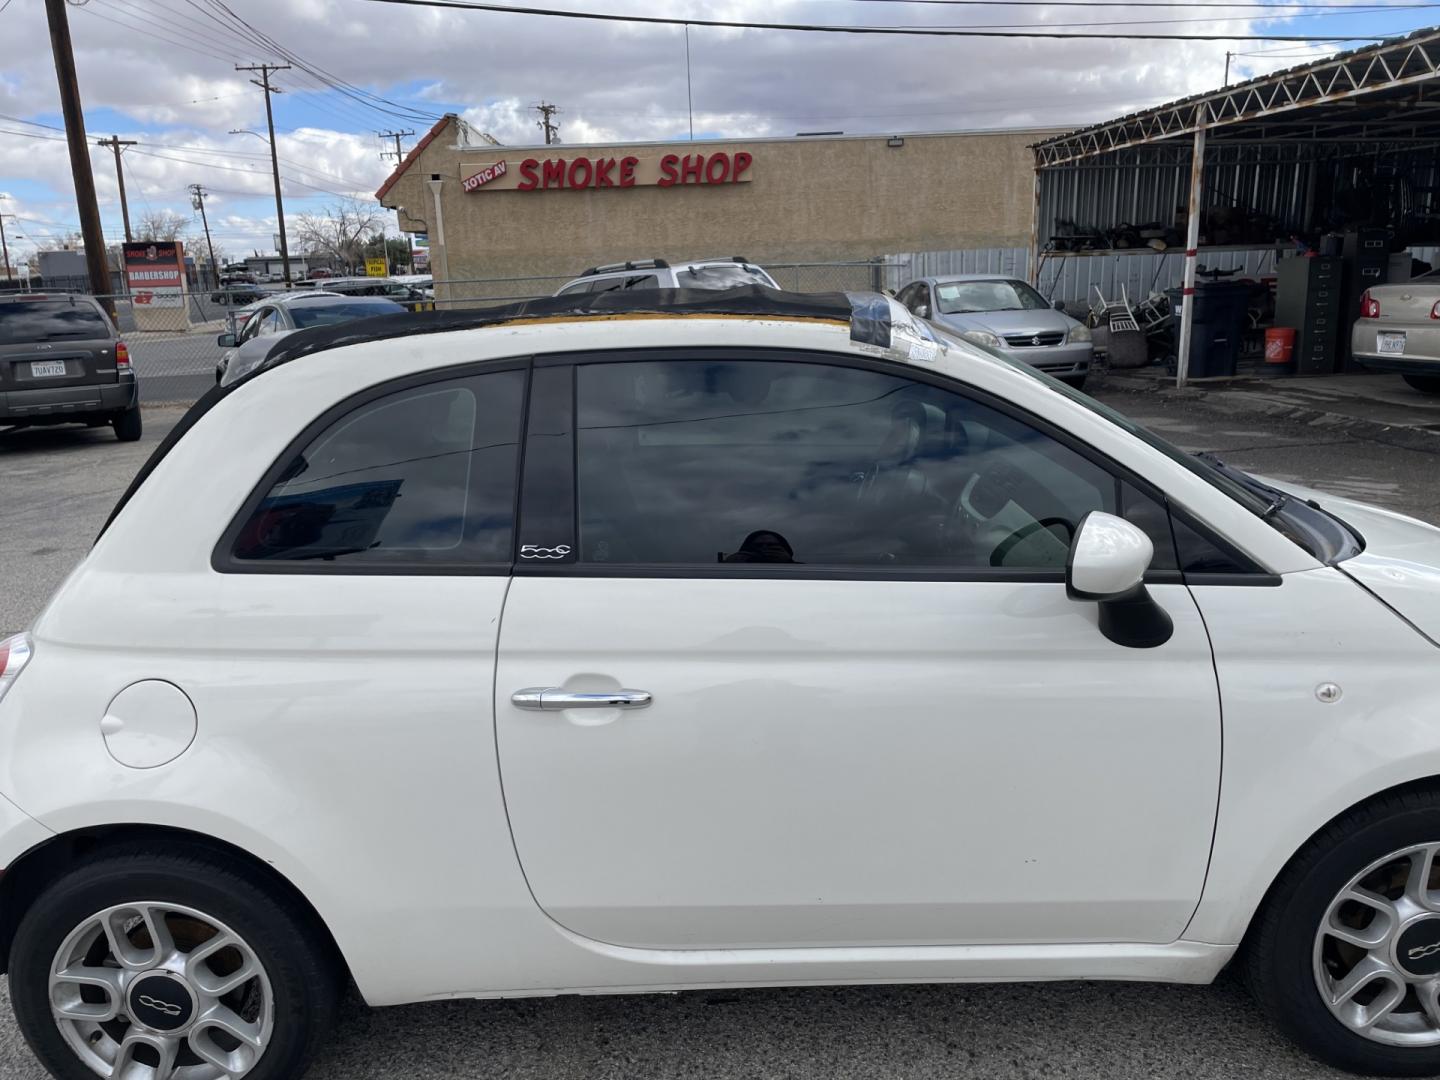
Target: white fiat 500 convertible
pixel 637 642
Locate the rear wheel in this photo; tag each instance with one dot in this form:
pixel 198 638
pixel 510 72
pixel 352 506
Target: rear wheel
pixel 1345 953
pixel 169 967
pixel 1426 384
pixel 128 425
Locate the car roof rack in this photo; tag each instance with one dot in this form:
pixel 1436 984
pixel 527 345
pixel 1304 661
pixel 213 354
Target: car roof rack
pixel 638 264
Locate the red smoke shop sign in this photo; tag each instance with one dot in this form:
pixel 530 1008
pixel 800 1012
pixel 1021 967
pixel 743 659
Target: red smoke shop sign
pixel 620 171
pixel 155 273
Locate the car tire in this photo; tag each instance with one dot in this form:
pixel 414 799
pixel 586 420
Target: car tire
pixel 1075 381
pixel 1426 384
pixel 128 425
pixel 294 965
pixel 1290 947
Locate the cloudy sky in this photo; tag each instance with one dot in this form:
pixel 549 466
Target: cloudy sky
pixel 162 72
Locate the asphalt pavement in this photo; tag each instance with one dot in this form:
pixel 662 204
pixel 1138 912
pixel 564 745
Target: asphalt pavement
pixel 60 484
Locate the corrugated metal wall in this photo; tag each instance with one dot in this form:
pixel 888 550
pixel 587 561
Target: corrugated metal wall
pixel 1071 278
pixel 1279 188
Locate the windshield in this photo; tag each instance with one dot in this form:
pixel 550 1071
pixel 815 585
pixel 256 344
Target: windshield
pixel 957 297
pixel 721 276
pixel 1304 523
pixel 328 314
pixel 50 320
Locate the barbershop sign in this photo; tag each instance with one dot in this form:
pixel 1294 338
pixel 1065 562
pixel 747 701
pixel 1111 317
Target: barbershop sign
pixel 576 173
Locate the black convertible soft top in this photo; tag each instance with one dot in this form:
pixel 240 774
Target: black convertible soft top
pixel 868 315
pixel 746 301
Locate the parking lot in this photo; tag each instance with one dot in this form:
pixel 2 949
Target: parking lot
pixel 61 483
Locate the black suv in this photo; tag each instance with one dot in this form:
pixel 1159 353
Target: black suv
pixel 62 361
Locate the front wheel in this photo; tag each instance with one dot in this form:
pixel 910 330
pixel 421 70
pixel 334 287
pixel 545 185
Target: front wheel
pixel 1075 381
pixel 169 966
pixel 1426 384
pixel 1345 952
pixel 128 425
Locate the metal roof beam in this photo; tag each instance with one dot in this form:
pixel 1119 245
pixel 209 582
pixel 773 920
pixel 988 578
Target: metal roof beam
pixel 1338 80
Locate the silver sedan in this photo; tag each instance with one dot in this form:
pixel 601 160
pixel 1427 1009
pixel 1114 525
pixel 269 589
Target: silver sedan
pixel 1399 330
pixel 1006 315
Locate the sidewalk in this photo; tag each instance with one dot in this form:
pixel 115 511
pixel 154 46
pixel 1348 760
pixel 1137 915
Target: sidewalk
pixel 1380 406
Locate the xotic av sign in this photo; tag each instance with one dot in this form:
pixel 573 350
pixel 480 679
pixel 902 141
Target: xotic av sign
pixel 625 171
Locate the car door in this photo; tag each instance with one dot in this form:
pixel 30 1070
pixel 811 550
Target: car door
pixel 789 661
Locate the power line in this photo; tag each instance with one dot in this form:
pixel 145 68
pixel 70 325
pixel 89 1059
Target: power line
pixel 823 28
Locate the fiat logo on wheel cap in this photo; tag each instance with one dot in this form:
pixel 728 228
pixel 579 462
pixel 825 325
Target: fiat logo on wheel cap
pixel 161 1002
pixel 1418 948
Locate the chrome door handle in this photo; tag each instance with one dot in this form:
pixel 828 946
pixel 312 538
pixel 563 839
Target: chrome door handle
pixel 554 698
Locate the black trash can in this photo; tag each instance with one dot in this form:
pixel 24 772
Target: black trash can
pixel 1219 327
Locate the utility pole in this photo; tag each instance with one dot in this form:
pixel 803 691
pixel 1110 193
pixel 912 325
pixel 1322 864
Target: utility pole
pixel 264 83
pixel 117 144
pixel 552 130
pixel 397 136
pixel 85 204
pixel 1228 55
pixel 197 200
pixel 4 247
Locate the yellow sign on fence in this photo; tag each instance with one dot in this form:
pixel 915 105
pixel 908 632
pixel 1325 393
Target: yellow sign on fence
pixel 374 267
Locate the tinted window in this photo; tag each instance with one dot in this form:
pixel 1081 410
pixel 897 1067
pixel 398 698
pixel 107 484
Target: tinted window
pixel 422 476
pixel 578 287
pixel 629 281
pixel 341 311
pixel 49 320
pixel 701 462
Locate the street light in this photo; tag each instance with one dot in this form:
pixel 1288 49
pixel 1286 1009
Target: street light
pixel 247 131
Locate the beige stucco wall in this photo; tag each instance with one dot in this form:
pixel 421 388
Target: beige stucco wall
pixel 813 199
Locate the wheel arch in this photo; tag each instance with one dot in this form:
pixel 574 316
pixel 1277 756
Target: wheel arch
pixel 27 877
pixel 1425 785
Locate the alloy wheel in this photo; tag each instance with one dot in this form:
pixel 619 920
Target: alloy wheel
pixel 159 991
pixel 1377 950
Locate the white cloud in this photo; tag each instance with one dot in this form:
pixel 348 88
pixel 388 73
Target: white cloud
pixel 168 66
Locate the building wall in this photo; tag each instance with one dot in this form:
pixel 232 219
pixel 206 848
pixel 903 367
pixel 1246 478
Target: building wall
pixel 812 199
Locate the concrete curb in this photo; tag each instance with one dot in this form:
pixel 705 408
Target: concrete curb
pixel 1251 396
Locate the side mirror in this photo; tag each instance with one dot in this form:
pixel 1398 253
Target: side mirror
pixel 1059 305
pixel 922 310
pixel 1107 564
pixel 226 340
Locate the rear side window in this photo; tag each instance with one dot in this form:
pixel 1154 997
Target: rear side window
pixel 51 320
pixel 421 478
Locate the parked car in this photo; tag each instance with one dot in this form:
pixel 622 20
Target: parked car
pixel 407 296
pixel 659 274
pixel 1399 330
pixel 284 314
pixel 811 644
pixel 1008 315
pixel 62 361
pixel 237 290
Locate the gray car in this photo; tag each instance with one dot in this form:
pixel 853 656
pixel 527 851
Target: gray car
pixel 62 362
pixel 1006 315
pixel 277 316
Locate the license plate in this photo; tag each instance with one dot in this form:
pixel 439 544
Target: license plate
pixel 1390 343
pixel 47 369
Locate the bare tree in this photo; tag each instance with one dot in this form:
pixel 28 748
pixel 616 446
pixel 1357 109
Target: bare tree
pixel 162 225
pixel 71 241
pixel 339 231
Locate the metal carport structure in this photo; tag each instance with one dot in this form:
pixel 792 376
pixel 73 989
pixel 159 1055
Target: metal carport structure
pixel 1355 135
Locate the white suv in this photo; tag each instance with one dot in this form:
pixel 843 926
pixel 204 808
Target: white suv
pixel 764 640
pixel 658 274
